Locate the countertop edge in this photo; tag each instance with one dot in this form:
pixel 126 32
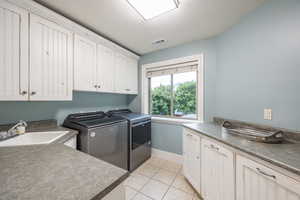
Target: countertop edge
pixel 111 187
pixel 264 158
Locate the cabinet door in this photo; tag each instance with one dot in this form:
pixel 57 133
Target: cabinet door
pixel 217 172
pixel 132 75
pixel 105 69
pixel 256 181
pixel 13 53
pixel 126 74
pixel 85 73
pixel 51 61
pixel 191 158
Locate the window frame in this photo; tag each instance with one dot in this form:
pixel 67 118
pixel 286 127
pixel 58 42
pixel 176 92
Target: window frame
pixel 145 87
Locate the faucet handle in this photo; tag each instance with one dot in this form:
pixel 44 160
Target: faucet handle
pixel 19 127
pixel 22 123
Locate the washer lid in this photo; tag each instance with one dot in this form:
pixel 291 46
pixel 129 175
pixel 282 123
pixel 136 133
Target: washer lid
pixel 93 119
pixel 129 115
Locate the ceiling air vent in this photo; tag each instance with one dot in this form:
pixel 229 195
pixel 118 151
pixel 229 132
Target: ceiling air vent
pixel 157 42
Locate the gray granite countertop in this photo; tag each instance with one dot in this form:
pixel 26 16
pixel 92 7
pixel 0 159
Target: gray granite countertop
pixel 54 171
pixel 285 155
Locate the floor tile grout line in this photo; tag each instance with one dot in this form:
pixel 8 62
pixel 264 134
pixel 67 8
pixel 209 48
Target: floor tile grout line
pixel 166 191
pixel 169 187
pixel 177 173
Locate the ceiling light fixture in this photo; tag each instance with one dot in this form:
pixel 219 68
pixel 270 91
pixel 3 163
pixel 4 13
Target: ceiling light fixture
pixel 152 8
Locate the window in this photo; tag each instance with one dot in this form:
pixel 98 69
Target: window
pixel 174 89
pixel 174 95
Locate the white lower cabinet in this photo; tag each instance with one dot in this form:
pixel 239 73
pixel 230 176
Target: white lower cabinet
pixel 191 158
pixel 226 175
pixel 217 170
pixel 255 181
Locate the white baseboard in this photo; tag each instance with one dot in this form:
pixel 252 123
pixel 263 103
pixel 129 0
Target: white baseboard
pixel 167 155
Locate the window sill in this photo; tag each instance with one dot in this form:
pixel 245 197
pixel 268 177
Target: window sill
pixel 163 120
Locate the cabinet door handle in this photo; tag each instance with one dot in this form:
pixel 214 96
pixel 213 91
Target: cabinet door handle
pixel 217 149
pixel 33 93
pixel 214 147
pixel 23 93
pixel 99 86
pixel 265 173
pixel 127 89
pixel 95 86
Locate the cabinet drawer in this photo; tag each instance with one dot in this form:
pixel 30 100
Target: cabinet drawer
pixel 191 135
pixel 274 182
pixel 218 148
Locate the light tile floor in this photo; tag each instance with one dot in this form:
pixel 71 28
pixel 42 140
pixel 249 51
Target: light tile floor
pixel 158 179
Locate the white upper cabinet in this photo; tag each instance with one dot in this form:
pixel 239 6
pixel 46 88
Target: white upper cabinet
pixel 258 182
pixel 105 69
pixel 133 74
pixel 51 61
pixel 13 53
pixel 217 172
pixel 191 158
pixel 126 78
pixel 42 60
pixel 85 67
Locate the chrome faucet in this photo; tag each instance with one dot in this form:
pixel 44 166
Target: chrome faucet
pixel 17 129
pixel 20 124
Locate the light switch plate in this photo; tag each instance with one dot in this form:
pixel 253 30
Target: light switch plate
pixel 268 114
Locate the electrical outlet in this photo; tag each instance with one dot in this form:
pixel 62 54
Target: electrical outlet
pixel 268 114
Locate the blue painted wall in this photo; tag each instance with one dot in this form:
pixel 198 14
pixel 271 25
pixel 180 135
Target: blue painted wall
pixel 252 66
pixel 167 137
pixel 82 101
pixel 258 66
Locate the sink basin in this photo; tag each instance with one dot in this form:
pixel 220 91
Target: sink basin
pixel 32 138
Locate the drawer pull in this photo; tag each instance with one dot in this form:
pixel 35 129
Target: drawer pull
pixel 265 174
pixel 214 147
